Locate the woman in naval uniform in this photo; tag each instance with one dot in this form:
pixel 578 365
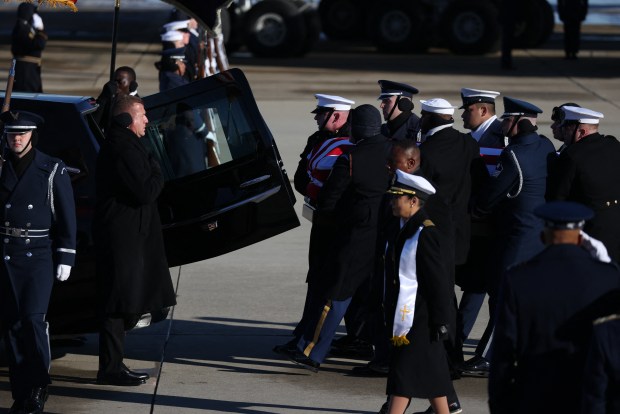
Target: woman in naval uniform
pixel 417 301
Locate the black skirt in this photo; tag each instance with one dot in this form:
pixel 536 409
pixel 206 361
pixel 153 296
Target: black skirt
pixel 420 369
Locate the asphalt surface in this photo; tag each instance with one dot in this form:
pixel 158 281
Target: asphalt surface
pixel 213 354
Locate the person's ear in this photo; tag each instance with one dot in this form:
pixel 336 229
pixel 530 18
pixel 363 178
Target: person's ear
pixel 411 163
pixel 123 119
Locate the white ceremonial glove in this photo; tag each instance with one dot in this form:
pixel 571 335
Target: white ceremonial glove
pixel 37 22
pixel 595 247
pixel 62 272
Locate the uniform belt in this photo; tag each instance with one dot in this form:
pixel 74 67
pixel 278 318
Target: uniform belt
pixel 17 232
pixel 29 59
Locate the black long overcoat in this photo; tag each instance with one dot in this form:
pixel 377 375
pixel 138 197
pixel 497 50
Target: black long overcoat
pixel 350 201
pixel 454 157
pixel 588 172
pixel 419 369
pixel 132 270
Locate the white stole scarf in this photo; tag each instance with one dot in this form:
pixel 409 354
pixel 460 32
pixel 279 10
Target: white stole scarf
pixel 407 275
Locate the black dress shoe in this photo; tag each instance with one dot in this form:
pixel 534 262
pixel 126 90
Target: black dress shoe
pixel 123 379
pixel 351 347
pixel 300 359
pixel 290 346
pixel 372 369
pixel 478 366
pixel 17 407
pixel 36 401
pixel 140 375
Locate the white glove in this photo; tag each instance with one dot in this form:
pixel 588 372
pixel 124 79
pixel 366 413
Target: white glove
pixel 37 22
pixel 595 247
pixel 62 272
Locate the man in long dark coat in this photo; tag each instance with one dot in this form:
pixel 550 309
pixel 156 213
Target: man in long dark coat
pixel 588 172
pixel 544 322
pixel 27 44
pixel 132 271
pixel 350 201
pixel 35 193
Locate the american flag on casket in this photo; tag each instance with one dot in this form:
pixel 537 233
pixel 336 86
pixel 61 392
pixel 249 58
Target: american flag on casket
pixel 490 157
pixel 52 3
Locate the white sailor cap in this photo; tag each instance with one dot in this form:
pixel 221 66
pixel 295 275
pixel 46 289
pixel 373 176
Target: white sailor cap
pixel 410 184
pixel 581 115
pixel 472 96
pixel 177 25
pixel 438 106
pixel 332 103
pixel 172 36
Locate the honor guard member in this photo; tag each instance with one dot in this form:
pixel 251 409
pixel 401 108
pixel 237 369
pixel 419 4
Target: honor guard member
pixel 36 195
pixel 191 44
pixel 479 117
pixel 544 323
pixel 27 44
pixel 601 378
pixel 512 194
pixel 397 107
pixel 331 115
pixel 349 204
pixel 451 161
pixel 172 68
pixel 588 172
pixel 322 150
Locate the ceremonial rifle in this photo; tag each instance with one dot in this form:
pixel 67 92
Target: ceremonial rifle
pixel 6 105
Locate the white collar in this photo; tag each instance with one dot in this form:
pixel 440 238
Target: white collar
pixel 436 129
pixel 482 128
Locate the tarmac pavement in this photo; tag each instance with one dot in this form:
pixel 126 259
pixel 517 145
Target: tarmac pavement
pixel 213 353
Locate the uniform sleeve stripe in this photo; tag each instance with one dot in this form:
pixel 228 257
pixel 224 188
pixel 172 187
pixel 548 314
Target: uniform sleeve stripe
pixel 66 250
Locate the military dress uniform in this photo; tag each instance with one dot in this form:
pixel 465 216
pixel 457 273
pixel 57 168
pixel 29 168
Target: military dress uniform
pixel 349 201
pixel 543 328
pixel 512 194
pixel 27 45
pixel 317 153
pixel 601 378
pixel 405 125
pixel 38 230
pixel 588 172
pixel 489 133
pixel 416 300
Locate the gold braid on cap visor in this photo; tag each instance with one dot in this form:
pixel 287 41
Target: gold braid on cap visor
pixel 401 191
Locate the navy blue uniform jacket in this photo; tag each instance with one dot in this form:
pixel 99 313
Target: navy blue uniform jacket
pixel 514 193
pixel 542 330
pixel 41 199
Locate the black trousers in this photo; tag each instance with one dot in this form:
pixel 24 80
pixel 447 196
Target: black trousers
pixel 112 341
pixel 572 34
pixel 28 349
